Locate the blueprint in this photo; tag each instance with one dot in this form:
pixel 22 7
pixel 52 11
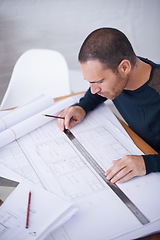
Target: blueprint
pixel 48 158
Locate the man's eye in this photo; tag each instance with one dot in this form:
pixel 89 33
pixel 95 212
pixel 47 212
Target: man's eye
pixel 100 81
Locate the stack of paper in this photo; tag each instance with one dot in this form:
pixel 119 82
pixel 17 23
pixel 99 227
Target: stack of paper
pixel 29 117
pixel 49 159
pixel 47 211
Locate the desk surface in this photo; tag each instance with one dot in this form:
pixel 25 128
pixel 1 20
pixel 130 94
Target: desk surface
pixel 143 146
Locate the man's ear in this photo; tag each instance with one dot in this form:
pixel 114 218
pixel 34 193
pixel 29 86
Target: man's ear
pixel 124 67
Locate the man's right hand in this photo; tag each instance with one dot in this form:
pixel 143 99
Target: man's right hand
pixel 75 112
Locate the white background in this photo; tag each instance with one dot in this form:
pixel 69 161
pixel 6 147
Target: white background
pixel 64 24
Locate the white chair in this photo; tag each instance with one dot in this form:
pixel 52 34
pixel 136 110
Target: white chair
pixel 77 81
pixel 37 71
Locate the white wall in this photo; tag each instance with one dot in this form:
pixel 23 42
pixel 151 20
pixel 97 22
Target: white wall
pixel 64 24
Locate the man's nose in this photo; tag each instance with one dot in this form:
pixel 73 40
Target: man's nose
pixel 94 88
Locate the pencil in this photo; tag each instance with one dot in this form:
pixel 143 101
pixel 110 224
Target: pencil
pixel 28 208
pixel 1 202
pixel 72 119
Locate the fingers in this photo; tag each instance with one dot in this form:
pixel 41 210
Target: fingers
pixel 72 116
pixel 126 177
pixel 64 123
pixel 70 121
pixel 126 168
pixel 60 122
pixel 120 176
pixel 117 171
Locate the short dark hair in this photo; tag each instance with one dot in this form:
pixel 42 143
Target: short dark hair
pixel 108 45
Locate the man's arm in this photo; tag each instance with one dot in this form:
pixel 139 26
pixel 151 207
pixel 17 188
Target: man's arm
pixel 152 162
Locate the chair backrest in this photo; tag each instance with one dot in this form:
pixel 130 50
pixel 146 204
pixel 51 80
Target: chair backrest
pixel 37 71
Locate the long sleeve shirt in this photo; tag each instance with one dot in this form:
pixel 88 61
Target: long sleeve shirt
pixel 141 110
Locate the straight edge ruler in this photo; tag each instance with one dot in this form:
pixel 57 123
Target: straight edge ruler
pixel 138 214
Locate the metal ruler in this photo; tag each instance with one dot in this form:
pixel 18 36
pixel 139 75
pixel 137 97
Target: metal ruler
pixel 138 214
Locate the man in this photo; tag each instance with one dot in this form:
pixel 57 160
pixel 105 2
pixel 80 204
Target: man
pixel 109 64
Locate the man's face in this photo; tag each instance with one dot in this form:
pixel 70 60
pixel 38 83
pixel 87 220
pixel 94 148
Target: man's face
pixel 104 82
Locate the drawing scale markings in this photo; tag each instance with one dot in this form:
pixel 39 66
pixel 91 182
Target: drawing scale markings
pixel 138 214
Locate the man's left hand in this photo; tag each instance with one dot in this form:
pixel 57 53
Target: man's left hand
pixel 126 168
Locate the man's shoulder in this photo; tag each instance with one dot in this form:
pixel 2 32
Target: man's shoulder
pixel 155 80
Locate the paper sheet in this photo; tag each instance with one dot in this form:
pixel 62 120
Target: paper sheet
pixel 47 212
pixel 64 171
pixel 58 162
pixel 4 113
pixel 32 122
pixel 22 113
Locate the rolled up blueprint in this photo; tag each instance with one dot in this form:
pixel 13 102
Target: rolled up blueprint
pixel 35 121
pixel 26 111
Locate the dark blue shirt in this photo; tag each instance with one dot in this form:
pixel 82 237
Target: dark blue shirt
pixel 140 109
